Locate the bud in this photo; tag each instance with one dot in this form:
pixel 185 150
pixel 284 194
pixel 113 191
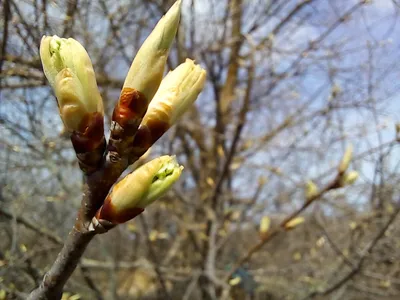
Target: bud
pixel 265 225
pixel 131 195
pixel 69 70
pixel 262 180
pixel 311 190
pixel 235 281
pixel 177 92
pixel 344 164
pixel 147 69
pixel 142 81
pixel 294 223
pixel 349 178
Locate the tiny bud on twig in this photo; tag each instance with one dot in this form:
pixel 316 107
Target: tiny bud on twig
pixel 294 223
pixel 265 225
pixel 311 190
pixel 235 281
pixel 349 178
pixel 344 164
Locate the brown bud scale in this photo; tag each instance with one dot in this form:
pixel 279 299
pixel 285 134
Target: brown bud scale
pixel 109 213
pixel 90 134
pixel 131 108
pixel 147 135
pixel 89 142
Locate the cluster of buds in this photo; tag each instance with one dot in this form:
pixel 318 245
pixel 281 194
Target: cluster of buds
pixel 142 96
pixel 147 107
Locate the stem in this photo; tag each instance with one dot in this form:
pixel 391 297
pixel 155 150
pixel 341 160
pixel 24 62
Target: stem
pixel 95 190
pixel 66 262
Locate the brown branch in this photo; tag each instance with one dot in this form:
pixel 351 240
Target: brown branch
pixel 357 268
pixel 95 189
pixel 31 30
pixel 291 69
pixel 90 283
pixel 57 240
pixel 101 78
pixel 6 12
pixel 232 151
pixel 28 224
pixel 287 19
pixel 237 135
pixel 333 245
pixel 155 260
pixel 69 17
pixel 227 93
pixel 66 262
pixel 116 32
pixel 335 183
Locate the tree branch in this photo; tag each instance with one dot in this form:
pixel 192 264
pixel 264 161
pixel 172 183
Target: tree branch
pixel 66 262
pixel 357 268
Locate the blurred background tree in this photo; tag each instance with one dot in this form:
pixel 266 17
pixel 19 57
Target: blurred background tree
pixel 290 85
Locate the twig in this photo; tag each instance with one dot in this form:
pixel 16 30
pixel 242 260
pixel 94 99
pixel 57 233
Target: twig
pixel 335 183
pixel 367 251
pixel 333 245
pixel 89 281
pixel 191 287
pixel 155 259
pixel 7 13
pixel 42 231
pixel 66 262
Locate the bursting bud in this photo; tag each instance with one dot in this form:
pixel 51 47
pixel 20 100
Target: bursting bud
pixel 235 281
pixel 177 92
pixel 265 225
pixel 311 190
pixel 349 178
pixel 147 69
pixel 144 78
pixel 348 154
pixel 69 70
pixel 293 223
pixel 131 195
